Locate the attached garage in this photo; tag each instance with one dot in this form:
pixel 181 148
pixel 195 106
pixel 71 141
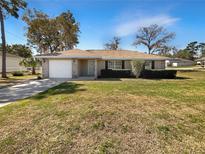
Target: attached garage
pixel 60 68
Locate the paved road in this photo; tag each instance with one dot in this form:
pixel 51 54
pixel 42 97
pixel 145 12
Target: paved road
pixel 26 89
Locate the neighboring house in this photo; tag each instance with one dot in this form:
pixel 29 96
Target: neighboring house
pixel 89 63
pixel 12 63
pixel 201 61
pixel 177 62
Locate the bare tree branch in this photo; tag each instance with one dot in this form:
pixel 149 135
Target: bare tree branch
pixel 153 37
pixel 113 44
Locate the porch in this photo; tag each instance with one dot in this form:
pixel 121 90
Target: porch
pixel 85 68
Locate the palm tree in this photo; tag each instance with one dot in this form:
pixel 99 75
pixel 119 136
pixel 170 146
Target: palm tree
pixel 10 7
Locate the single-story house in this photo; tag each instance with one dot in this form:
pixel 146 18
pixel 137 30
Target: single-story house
pixel 177 62
pixel 201 61
pixel 90 63
pixel 12 63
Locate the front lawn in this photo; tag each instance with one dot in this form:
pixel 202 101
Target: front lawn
pixel 109 116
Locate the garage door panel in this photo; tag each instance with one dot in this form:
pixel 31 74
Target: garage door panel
pixel 60 68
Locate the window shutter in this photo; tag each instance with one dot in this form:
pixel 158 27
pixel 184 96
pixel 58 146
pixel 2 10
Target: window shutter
pixel 106 65
pixel 153 64
pixel 123 64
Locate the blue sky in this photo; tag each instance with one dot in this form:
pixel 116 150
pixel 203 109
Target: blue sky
pixel 100 20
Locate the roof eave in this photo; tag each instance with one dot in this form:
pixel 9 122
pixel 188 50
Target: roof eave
pixel 69 57
pixel 98 57
pixel 111 58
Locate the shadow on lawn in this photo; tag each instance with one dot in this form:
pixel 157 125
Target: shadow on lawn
pixel 63 88
pixel 181 78
pixel 120 79
pixel 176 78
pixel 109 79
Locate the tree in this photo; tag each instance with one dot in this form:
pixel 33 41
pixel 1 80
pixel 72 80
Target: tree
pixel 202 49
pixel 154 37
pixel 19 50
pixel 113 44
pixel 137 67
pixel 30 62
pixel 167 51
pixel 182 54
pixel 192 49
pixel 10 7
pixel 190 52
pixel 49 35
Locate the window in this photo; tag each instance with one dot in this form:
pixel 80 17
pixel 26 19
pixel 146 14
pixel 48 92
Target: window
pixel 115 64
pixel 118 64
pixel 148 65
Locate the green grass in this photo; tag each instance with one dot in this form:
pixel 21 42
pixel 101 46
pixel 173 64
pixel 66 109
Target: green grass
pixel 109 116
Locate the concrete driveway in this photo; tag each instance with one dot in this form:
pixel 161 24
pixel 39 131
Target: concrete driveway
pixel 26 89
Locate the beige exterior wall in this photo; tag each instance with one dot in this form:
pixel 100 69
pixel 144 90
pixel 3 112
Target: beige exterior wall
pixel 75 65
pixel 12 64
pixel 100 66
pixel 45 68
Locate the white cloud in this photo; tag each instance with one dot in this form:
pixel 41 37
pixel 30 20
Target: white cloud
pixel 132 26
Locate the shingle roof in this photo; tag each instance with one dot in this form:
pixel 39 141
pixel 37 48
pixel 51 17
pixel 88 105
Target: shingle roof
pixel 101 54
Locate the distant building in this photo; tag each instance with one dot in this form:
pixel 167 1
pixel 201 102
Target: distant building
pixel 12 63
pixel 201 61
pixel 178 62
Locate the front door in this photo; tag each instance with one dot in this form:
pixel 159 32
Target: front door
pixel 91 67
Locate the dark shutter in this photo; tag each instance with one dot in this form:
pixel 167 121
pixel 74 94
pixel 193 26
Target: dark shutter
pixel 123 64
pixel 153 64
pixel 106 65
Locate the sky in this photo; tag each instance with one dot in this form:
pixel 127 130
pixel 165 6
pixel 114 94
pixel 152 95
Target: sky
pixel 101 20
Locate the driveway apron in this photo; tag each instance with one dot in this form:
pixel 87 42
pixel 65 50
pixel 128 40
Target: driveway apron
pixel 26 89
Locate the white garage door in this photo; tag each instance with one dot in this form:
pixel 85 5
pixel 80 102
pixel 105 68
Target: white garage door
pixel 60 68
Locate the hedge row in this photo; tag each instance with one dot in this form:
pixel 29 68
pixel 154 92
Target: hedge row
pixel 159 74
pixel 149 74
pixel 116 73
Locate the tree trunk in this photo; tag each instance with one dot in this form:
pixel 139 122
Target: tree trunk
pixel 3 45
pixel 33 71
pixel 149 50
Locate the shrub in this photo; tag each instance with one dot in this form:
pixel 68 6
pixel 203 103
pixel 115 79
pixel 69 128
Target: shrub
pixel 115 73
pixel 137 67
pixel 39 77
pixel 159 74
pixel 17 73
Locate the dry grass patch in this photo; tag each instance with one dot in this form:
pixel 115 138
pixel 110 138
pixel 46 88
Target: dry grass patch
pixel 129 116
